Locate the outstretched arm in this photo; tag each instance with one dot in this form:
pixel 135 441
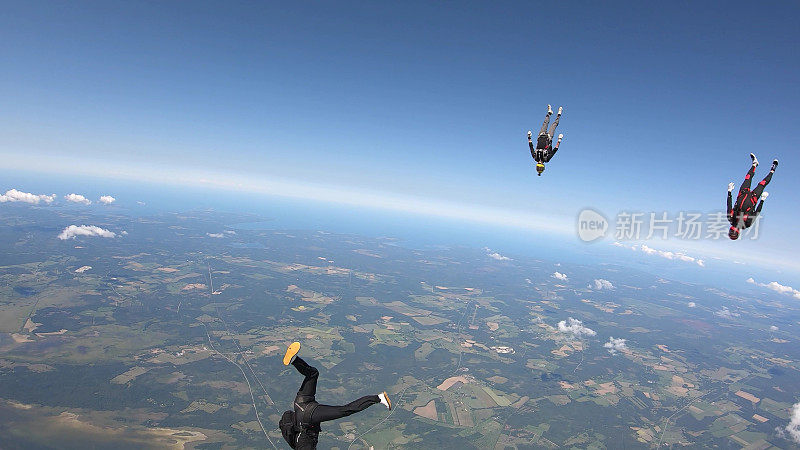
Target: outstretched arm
pixel 730 206
pixel 530 142
pixel 752 217
pixel 730 203
pixel 553 151
pixel 761 203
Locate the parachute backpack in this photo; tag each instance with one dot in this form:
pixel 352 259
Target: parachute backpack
pixel 288 430
pixel 543 141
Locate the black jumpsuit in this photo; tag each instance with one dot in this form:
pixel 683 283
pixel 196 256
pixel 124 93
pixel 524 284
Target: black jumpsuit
pixel 544 151
pixel 543 154
pixel 310 414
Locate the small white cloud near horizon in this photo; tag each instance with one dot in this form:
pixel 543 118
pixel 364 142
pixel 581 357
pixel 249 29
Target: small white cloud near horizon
pixel 773 328
pixel 675 256
pixel 575 327
pixel 777 287
pixel 615 345
pixel 691 304
pixel 560 276
pixel 13 196
pixel 77 198
pixel 107 199
pixel 229 232
pixel 73 231
pixel 600 284
pixel 496 256
pixel 215 235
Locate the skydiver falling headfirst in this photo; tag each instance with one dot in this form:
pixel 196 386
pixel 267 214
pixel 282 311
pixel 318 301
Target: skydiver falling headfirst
pixel 544 150
pixel 301 427
pixel 742 214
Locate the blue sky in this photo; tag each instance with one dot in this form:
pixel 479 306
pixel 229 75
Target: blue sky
pixel 415 100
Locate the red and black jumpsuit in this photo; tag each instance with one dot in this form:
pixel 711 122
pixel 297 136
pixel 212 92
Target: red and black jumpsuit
pixel 742 214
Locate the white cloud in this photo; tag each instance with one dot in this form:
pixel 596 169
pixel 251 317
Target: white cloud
pixel 773 328
pixel 575 327
pixel 72 231
pixel 560 276
pixel 528 280
pixel 229 232
pixel 691 304
pixel 794 423
pixel 675 256
pixel 215 235
pixel 77 198
pixel 14 195
pixel 495 255
pixel 140 203
pixel 777 287
pixel 107 199
pixel 124 233
pixel 726 313
pixel 615 345
pixel 600 284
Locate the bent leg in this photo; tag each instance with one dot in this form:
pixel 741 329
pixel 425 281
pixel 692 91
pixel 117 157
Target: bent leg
pixel 309 386
pixel 553 128
pixel 324 413
pixel 762 184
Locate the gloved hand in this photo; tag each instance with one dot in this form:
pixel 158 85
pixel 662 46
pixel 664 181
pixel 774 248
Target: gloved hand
pixel 764 196
pixel 529 134
pixel 560 136
pixel 730 187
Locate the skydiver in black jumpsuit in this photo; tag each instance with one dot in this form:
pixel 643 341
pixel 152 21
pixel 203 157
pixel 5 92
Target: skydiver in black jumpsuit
pixel 309 413
pixel 544 151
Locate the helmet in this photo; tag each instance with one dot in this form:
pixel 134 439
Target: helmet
pixel 540 168
pixel 733 233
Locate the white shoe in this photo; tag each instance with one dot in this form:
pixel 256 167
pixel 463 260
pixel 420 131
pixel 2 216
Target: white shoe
pixel 730 187
pixel 549 110
pixel 385 400
pixel 560 108
pixel 755 160
pixel 560 137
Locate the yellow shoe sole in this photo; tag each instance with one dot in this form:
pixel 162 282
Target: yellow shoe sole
pixel 386 396
pixel 290 352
